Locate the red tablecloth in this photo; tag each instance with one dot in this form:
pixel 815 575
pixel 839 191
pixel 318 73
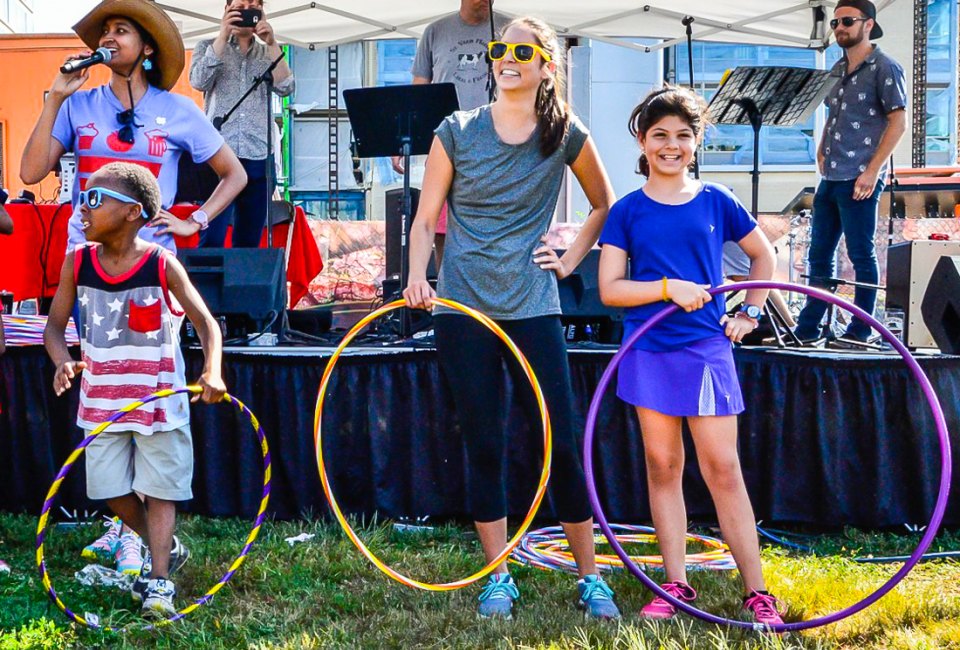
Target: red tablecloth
pixel 31 258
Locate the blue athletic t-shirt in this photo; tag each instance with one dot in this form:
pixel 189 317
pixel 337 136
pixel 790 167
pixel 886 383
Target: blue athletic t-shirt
pixel 681 242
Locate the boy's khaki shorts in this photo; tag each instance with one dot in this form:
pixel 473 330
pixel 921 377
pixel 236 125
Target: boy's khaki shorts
pixel 159 465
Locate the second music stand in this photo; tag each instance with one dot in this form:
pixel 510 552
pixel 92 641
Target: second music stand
pixel 392 120
pixel 771 96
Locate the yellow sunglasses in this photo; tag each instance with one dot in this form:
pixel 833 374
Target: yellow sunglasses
pixel 522 52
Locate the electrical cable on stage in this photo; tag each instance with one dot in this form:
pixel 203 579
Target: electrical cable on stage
pixel 93 620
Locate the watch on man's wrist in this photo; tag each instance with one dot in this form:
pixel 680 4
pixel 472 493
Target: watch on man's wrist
pixel 200 218
pixel 750 311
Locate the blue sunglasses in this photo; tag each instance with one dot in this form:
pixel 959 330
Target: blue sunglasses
pixel 93 198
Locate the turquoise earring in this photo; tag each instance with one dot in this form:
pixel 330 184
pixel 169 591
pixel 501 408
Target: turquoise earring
pixel 147 64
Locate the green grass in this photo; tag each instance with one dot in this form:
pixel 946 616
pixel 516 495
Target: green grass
pixel 323 594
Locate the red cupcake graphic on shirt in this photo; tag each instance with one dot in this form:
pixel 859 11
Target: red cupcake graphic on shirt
pixel 86 134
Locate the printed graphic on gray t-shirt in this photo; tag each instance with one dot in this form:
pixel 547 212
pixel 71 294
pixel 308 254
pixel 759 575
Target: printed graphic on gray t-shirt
pixel 501 203
pixel 454 51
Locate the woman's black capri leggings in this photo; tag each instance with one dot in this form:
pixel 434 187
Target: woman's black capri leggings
pixel 470 356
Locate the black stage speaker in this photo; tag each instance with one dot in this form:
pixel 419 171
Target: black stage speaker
pixel 585 317
pixel 941 304
pixel 393 204
pixel 245 285
pixel 909 266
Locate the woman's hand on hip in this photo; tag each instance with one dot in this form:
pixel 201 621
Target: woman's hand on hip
pixel 548 260
pixel 169 223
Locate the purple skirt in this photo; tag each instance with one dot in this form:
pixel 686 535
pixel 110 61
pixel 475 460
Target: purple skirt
pixel 700 379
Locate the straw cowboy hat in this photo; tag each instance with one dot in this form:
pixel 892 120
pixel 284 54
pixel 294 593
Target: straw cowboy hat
pixel 169 56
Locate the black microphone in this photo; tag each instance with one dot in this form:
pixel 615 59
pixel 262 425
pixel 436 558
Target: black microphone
pixel 102 55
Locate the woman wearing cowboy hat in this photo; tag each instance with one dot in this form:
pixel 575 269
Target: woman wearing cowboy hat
pixel 133 118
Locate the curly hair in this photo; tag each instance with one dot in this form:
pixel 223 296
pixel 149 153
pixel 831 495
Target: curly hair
pixel 136 182
pixel 665 102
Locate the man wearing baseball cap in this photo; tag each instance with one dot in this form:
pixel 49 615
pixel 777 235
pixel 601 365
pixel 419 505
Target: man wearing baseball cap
pixel 866 119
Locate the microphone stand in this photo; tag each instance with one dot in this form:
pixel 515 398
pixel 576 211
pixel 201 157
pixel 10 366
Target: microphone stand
pixel 687 22
pixel 265 78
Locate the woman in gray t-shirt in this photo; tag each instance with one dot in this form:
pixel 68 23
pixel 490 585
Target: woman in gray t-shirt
pixel 500 167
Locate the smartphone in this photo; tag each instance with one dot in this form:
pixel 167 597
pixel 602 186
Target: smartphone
pixel 249 18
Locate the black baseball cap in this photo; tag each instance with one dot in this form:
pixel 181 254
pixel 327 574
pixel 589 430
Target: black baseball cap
pixel 868 9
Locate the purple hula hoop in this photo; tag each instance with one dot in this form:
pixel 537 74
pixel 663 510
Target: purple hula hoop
pixel 935 520
pixel 81 448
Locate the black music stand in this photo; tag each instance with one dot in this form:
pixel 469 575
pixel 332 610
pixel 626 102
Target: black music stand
pixel 772 96
pixel 392 120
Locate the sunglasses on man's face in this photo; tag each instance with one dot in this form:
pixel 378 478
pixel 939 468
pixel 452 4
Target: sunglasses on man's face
pixel 93 197
pixel 125 134
pixel 846 21
pixel 522 52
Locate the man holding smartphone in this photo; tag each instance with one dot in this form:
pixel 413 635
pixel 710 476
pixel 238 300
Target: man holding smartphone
pixel 224 68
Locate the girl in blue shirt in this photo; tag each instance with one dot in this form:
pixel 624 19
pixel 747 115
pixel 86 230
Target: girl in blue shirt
pixel 672 232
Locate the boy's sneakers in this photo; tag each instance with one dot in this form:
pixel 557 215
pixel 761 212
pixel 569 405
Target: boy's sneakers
pixel 658 608
pixel 138 590
pixel 763 607
pixel 497 596
pixel 129 554
pixel 179 555
pixel 104 548
pixel 596 598
pixel 158 599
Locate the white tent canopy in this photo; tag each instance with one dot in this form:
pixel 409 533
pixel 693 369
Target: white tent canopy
pixel 797 23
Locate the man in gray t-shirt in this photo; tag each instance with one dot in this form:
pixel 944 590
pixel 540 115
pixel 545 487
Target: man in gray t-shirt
pixel 454 49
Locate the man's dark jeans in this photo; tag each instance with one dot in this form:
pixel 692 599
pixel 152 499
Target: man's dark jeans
pixel 247 212
pixel 835 212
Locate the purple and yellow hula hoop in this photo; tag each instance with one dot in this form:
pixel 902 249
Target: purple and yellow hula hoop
pixel 92 620
pixel 935 519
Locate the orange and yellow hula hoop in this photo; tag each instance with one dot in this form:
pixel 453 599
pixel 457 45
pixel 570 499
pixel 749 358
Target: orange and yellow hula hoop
pixel 544 474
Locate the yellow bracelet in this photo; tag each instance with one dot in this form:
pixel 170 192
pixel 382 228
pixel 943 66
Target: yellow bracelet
pixel 666 298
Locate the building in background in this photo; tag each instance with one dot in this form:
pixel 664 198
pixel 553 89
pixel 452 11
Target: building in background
pixel 16 16
pixel 28 64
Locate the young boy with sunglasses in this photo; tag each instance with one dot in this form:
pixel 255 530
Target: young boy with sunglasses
pixel 133 296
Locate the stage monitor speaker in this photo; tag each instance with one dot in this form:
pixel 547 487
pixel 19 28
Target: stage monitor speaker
pixel 393 204
pixel 941 304
pixel 246 285
pixel 909 266
pixel 585 317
